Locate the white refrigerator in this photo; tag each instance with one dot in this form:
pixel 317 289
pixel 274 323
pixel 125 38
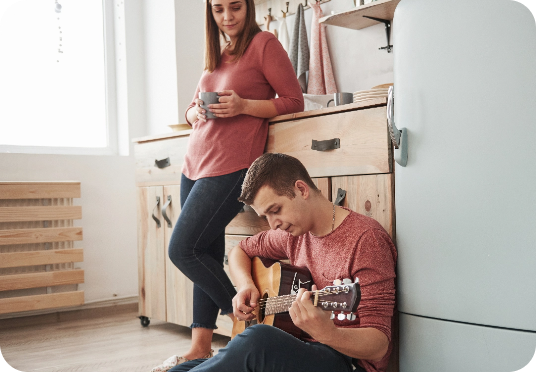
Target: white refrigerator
pixel 465 92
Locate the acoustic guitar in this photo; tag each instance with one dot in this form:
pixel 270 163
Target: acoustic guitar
pixel 278 284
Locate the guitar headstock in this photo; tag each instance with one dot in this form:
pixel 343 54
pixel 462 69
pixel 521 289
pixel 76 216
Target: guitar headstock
pixel 342 296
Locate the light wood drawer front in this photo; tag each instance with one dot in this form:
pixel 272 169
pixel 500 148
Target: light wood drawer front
pixel 147 173
pixel 364 146
pixel 370 195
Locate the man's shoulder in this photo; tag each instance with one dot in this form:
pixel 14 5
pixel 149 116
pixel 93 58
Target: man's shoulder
pixel 358 225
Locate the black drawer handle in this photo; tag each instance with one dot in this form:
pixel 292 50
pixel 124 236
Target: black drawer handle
pixel 164 208
pixel 341 194
pixel 156 206
pixel 162 163
pixel 331 144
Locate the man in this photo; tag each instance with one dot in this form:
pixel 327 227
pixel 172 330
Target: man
pixel 332 243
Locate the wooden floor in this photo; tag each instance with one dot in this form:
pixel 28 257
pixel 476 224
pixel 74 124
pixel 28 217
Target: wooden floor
pixel 105 342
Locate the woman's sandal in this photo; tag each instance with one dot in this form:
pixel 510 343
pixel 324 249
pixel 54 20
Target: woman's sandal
pixel 175 360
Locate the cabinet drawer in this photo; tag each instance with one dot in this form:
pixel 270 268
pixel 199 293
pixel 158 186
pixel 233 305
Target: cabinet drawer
pixel 363 139
pixel 146 153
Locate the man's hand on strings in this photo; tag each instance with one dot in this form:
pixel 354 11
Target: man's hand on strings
pixel 308 317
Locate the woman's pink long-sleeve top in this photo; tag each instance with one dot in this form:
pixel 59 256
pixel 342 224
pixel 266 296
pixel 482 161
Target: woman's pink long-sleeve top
pixel 226 145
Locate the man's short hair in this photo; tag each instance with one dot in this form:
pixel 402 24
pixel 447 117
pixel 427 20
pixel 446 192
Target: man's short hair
pixel 279 171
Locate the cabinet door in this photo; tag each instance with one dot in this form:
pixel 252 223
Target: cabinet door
pixel 324 185
pixel 179 289
pixel 370 195
pixel 151 265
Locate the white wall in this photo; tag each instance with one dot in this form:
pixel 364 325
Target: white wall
pixel 108 214
pixel 161 101
pixel 357 62
pixel 108 196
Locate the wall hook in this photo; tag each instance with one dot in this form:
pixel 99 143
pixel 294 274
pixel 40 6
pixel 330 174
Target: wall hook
pixel 387 23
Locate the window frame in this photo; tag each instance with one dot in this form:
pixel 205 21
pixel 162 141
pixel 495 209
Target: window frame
pixel 111 100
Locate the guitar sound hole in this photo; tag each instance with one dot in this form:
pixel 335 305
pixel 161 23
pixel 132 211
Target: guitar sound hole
pixel 262 308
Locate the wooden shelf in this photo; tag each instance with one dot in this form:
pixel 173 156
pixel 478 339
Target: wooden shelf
pixel 384 9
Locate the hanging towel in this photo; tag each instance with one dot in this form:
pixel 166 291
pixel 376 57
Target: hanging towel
pixel 283 33
pixel 299 48
pixel 321 79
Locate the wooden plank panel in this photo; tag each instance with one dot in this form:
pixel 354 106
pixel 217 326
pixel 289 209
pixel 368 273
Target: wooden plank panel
pixel 39 302
pixel 354 18
pixel 364 143
pixel 37 280
pixel 57 256
pixel 39 190
pixel 44 235
pixel 371 195
pixel 44 213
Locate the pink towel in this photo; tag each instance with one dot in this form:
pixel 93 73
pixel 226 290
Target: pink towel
pixel 321 79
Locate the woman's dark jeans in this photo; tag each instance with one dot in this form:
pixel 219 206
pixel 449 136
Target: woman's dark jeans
pixel 265 348
pixel 197 245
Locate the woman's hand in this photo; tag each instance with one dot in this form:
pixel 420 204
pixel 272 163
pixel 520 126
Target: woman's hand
pixel 230 105
pixel 200 112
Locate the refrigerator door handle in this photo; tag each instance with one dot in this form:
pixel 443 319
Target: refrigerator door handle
pixel 398 137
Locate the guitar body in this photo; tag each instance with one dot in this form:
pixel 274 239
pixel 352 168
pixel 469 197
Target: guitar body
pixel 272 279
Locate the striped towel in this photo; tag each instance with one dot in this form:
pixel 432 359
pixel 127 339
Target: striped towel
pixel 299 48
pixel 321 79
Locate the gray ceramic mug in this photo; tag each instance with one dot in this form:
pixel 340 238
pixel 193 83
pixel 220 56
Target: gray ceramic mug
pixel 341 99
pixel 209 98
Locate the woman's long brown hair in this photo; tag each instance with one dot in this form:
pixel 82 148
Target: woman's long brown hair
pixel 213 34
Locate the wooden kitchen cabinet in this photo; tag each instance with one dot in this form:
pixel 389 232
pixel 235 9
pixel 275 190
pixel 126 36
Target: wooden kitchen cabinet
pixel 361 165
pixel 164 292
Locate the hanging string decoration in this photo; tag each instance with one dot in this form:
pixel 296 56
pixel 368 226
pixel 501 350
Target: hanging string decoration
pixel 57 9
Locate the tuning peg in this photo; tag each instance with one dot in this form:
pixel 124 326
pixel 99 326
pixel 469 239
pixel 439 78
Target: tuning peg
pixel 350 316
pixel 332 316
pixel 337 282
pixel 347 281
pixel 341 316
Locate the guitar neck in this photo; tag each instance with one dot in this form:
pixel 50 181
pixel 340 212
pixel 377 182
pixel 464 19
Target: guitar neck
pixel 279 304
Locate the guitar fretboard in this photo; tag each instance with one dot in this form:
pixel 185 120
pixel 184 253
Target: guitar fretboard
pixel 280 304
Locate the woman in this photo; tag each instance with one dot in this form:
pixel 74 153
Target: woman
pixel 247 70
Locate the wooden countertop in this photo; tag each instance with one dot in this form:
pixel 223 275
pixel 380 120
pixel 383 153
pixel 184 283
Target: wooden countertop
pixel 375 102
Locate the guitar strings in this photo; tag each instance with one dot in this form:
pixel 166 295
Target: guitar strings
pixel 283 300
pixel 285 297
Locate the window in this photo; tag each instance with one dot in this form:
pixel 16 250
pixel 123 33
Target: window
pixel 54 91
